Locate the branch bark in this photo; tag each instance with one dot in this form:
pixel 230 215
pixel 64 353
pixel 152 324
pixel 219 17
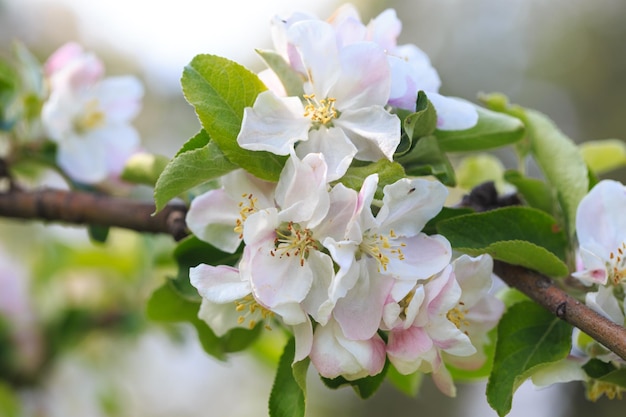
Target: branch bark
pixel 84 208
pixel 87 208
pixel 542 290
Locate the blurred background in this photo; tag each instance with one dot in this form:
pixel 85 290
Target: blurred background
pixel 566 58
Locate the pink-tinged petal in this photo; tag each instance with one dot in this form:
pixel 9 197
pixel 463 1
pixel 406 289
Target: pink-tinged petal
pixel 72 68
pixel 443 381
pixel 302 190
pixel 409 204
pixel 483 316
pixel 333 143
pixel 212 217
pixel 474 277
pixel 220 317
pixel 343 253
pixel 453 113
pixel 384 29
pixel 348 25
pixel 406 348
pixel 323 274
pixel 316 44
pixel 273 124
pixel 359 313
pixel 373 130
pixel 424 256
pixel 442 293
pixel 120 98
pixel 341 212
pixel 62 57
pixel 447 337
pixel 594 271
pixel 365 77
pixel 303 333
pixel 219 284
pixel 600 223
pixel 334 355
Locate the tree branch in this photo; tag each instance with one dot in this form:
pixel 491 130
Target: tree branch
pixel 542 290
pixel 93 209
pixel 88 208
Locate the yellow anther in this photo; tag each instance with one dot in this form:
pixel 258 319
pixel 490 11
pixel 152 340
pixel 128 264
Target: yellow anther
pixel 322 111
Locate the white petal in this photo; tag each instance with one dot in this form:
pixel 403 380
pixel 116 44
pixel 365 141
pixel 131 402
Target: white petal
pixel 83 158
pixel 337 149
pixel 219 284
pixel 453 113
pixel 120 98
pixel 273 124
pixel 220 317
pixel 212 217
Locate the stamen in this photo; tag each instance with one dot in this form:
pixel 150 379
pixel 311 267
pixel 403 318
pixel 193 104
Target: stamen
pixel 321 112
pixel 246 208
pixel 91 118
pixel 292 240
pixel 253 312
pixel 617 265
pixel 382 248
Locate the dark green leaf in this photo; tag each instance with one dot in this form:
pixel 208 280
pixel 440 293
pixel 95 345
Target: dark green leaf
pixel 528 336
pixel 427 158
pixel 422 122
pixel 292 81
pixel 492 130
pixel 535 192
pixel 98 233
pixel 189 169
pixel 444 214
pixel 605 372
pixel 220 90
pixel 288 396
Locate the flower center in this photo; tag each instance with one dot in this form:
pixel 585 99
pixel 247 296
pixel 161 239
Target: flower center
pixel 321 112
pixel 597 389
pixel 617 265
pixel 382 248
pixel 92 117
pixel 457 316
pixel 252 312
pixel 246 208
pixel 292 240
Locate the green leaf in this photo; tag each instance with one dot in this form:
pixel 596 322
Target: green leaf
pixel 492 130
pixel 288 396
pixel 388 173
pixel 199 140
pixel 220 90
pixel 535 192
pixel 407 384
pixel 191 168
pixel 427 158
pixel 364 387
pixel 9 402
pixel 444 214
pixel 191 252
pixel 98 233
pixel 422 122
pixel 604 155
pixel 166 305
pixel 518 235
pixel 605 372
pixel 292 81
pixel 144 168
pixel 528 336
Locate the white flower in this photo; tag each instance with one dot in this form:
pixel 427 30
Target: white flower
pixel 89 117
pixel 342 115
pixel 601 231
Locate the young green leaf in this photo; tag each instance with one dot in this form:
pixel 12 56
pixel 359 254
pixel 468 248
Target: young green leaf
pixel 388 173
pixel 492 130
pixel 528 336
pixel 291 80
pixel 604 155
pixel 518 235
pixel 288 396
pixel 220 90
pixel 427 158
pixel 144 168
pixel 535 192
pixel 191 168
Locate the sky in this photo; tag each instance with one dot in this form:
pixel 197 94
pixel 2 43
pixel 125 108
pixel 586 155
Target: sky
pixel 165 35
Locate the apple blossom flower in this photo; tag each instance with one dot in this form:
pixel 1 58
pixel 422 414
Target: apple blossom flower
pixel 88 116
pixel 342 115
pixel 217 216
pixel 411 69
pixel 601 232
pixel 385 255
pixel 334 355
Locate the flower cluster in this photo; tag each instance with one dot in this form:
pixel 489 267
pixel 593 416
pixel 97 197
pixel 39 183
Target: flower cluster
pixel 88 115
pixel 351 274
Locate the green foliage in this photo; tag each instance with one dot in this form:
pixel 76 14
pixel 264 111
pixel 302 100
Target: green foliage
pixel 167 306
pixel 604 155
pixel 605 372
pixel 528 336
pixel 407 384
pixel 493 130
pixel 144 168
pixel 518 235
pixel 290 79
pixel 420 123
pixel 288 396
pixel 364 387
pixel 388 173
pixel 535 193
pixel 98 234
pixel 444 214
pixel 220 90
pixel 197 162
pixel 9 403
pixel 427 158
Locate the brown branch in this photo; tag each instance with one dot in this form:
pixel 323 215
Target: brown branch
pixel 77 207
pixel 543 291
